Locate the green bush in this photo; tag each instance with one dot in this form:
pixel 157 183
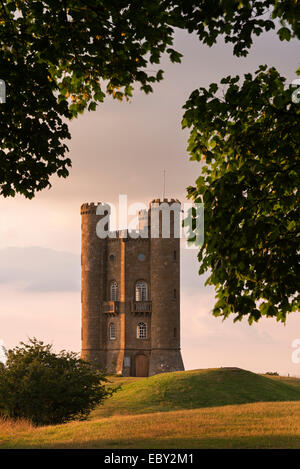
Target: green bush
pixel 48 388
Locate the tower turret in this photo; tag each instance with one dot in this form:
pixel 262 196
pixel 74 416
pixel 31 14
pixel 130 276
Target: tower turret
pixel 164 220
pixel 93 286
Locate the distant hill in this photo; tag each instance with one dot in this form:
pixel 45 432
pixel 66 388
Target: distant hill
pixel 214 408
pixel 196 389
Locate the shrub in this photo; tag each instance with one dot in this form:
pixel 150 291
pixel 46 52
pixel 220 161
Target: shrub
pixel 47 388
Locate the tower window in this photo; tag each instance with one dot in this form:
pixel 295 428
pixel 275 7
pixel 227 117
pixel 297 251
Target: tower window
pixel 175 332
pixel 174 255
pixel 114 291
pixel 112 258
pixel 112 331
pixel 141 331
pixel 141 291
pixel 174 294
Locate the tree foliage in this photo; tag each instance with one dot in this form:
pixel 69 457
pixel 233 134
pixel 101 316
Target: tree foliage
pixel 249 139
pixel 238 21
pixel 48 388
pixel 248 136
pixel 60 58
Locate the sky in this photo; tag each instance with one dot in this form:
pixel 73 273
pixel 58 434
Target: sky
pixel 123 148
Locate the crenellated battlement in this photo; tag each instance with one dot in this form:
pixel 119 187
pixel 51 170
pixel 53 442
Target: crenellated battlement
pixel 164 201
pixel 89 207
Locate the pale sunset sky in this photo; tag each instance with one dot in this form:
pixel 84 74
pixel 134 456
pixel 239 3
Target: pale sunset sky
pixel 123 148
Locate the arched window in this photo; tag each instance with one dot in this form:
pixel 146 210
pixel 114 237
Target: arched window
pixel 114 291
pixel 141 291
pixel 112 331
pixel 141 330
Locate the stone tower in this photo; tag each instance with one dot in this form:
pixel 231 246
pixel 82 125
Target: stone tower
pixel 131 293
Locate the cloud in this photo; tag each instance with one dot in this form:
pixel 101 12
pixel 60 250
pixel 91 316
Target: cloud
pixel 39 269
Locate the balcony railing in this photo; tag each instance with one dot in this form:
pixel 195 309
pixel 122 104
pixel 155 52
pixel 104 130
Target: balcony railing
pixel 111 307
pixel 141 306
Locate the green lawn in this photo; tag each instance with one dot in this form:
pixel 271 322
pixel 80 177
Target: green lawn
pixel 214 408
pixel 196 389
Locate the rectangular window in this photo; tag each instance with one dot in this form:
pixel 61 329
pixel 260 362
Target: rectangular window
pixel 112 331
pixel 174 294
pixel 141 330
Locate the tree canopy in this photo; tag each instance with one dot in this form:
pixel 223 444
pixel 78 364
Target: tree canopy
pixel 247 136
pixel 249 141
pixel 60 58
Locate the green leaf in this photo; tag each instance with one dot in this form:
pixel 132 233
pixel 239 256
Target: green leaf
pixel 284 34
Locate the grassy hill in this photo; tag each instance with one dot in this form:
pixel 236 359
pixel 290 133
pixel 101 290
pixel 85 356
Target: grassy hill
pixel 196 389
pixel 214 408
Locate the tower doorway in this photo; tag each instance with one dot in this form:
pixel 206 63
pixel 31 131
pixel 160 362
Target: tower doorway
pixel 141 365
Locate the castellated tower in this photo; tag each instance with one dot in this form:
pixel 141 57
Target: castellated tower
pixel 131 293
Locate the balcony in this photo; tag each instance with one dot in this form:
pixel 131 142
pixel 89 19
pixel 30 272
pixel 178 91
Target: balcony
pixel 111 307
pixel 141 307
